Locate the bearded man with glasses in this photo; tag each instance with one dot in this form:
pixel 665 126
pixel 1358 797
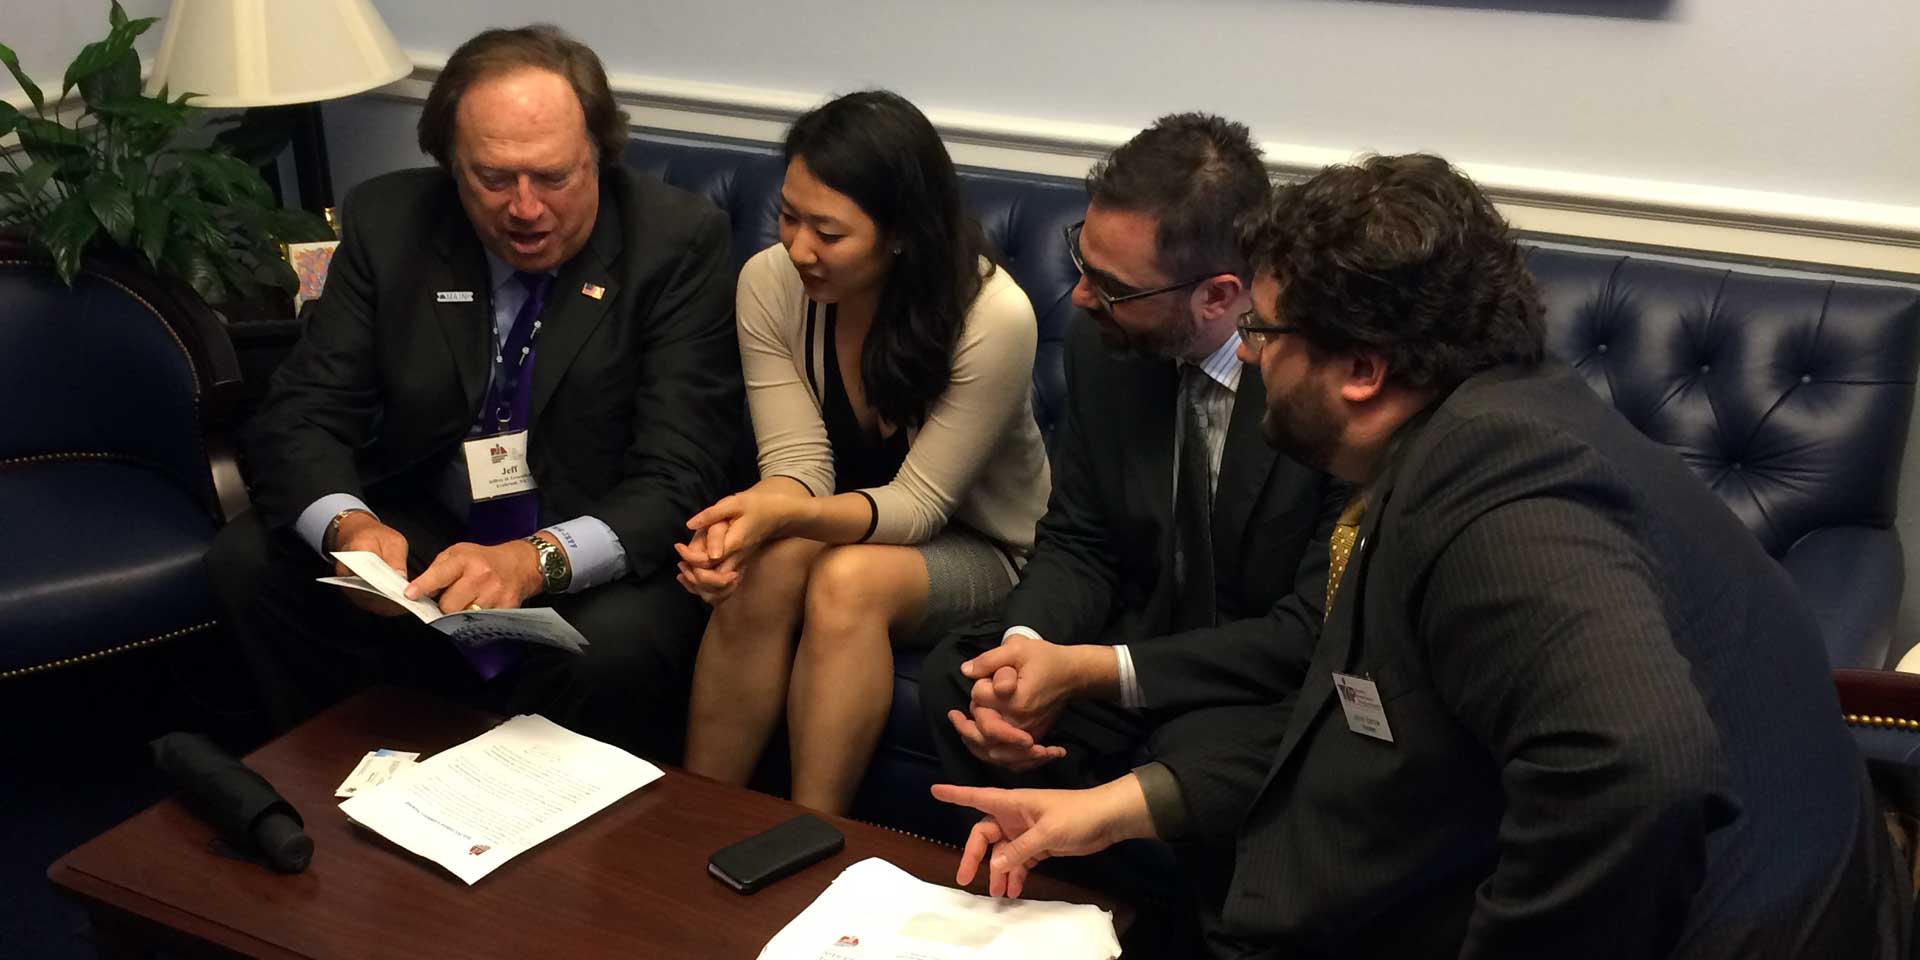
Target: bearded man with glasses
pixel 1168 515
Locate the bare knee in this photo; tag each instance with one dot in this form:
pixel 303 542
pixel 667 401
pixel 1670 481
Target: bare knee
pixel 847 591
pixel 772 585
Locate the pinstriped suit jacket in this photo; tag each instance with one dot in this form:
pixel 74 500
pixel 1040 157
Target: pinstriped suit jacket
pixel 1614 729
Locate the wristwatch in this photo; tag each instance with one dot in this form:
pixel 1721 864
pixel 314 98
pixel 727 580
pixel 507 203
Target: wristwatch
pixel 555 572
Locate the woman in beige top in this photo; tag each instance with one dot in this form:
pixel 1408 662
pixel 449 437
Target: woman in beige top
pixel 888 364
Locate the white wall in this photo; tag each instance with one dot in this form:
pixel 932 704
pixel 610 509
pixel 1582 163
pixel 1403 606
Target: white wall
pixel 1795 96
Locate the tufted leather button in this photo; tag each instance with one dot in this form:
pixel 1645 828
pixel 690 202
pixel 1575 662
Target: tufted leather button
pixel 1806 378
pixel 1706 368
pixel 1602 348
pixel 1738 466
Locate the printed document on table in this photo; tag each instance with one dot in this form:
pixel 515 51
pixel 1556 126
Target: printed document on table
pixel 468 628
pixel 877 911
pixel 476 806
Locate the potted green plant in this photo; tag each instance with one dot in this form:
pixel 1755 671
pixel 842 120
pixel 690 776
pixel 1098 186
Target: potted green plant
pixel 113 171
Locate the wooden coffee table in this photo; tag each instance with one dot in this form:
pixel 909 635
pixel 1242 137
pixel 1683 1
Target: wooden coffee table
pixel 631 881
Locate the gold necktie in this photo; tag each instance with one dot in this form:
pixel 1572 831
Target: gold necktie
pixel 1340 546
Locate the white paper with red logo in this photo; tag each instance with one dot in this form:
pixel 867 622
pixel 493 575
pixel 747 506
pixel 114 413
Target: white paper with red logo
pixel 497 466
pixel 482 803
pixel 877 911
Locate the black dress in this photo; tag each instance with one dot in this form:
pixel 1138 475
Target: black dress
pixel 860 459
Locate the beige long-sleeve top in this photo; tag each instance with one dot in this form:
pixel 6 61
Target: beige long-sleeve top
pixel 977 459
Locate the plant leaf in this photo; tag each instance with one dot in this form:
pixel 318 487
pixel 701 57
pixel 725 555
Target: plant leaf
pixel 93 58
pixel 64 147
pixel 116 14
pixel 151 220
pixel 189 262
pixel 112 205
pixel 194 221
pixel 34 181
pixel 118 78
pixel 65 235
pixel 135 107
pixel 20 77
pixel 9 117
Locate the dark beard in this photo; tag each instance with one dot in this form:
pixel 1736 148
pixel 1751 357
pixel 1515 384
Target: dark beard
pixel 1168 341
pixel 1302 427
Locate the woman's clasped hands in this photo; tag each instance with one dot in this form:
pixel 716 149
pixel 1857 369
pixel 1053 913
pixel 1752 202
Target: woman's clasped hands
pixel 726 534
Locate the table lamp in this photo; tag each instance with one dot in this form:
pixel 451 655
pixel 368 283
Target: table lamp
pixel 288 54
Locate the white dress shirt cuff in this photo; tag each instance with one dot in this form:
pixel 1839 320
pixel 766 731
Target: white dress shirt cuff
pixel 1130 695
pixel 593 551
pixel 311 525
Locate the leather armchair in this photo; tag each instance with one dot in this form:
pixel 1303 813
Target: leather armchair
pixel 1789 396
pixel 113 471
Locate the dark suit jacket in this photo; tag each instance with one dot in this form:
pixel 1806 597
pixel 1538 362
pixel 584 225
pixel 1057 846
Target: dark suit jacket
pixel 1614 729
pixel 636 395
pixel 1102 566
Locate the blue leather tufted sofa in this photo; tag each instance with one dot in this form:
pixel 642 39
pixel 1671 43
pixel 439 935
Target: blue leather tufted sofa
pixel 112 469
pixel 1788 395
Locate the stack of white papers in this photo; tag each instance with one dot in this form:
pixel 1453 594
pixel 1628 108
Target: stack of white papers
pixel 476 806
pixel 877 911
pixel 469 628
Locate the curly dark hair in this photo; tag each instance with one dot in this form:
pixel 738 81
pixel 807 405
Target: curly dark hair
pixel 884 155
pixel 1403 255
pixel 543 46
pixel 1199 174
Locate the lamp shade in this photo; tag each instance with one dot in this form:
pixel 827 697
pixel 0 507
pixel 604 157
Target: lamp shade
pixel 263 53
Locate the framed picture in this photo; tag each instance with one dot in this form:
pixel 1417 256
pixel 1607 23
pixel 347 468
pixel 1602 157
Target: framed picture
pixel 309 262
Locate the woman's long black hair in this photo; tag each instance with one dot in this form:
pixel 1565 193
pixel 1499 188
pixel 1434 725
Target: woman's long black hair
pixel 883 154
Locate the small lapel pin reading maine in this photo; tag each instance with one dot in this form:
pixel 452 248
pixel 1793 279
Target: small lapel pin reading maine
pixel 593 290
pixel 454 296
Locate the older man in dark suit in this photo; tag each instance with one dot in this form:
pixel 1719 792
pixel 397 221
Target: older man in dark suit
pixel 1563 705
pixel 520 382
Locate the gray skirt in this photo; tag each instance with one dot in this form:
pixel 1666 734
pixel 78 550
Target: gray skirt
pixel 968 576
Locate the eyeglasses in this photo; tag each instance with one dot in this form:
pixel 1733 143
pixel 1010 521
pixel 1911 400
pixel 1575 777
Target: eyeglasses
pixel 1257 335
pixel 1109 300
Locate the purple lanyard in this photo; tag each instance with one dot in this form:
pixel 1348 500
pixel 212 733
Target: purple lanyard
pixel 508 399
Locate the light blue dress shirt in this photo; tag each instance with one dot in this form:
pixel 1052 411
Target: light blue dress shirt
pixel 593 550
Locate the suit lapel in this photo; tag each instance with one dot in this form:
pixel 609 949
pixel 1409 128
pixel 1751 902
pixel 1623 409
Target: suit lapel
pixel 1150 417
pixel 572 315
pixel 1244 467
pixel 1334 651
pixel 461 268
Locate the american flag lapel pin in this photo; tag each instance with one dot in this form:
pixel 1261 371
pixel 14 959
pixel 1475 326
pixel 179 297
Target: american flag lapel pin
pixel 593 290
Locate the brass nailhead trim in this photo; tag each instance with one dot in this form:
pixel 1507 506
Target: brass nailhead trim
pixel 1898 723
pixel 98 654
pixel 905 833
pixel 68 455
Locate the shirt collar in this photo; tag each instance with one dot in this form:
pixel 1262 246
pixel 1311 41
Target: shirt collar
pixel 501 272
pixel 1223 364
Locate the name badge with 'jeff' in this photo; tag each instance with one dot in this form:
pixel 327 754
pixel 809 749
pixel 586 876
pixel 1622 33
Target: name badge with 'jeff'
pixel 497 466
pixel 1360 701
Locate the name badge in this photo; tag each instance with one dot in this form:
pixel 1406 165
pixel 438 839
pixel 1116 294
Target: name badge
pixel 497 466
pixel 1360 701
pixel 454 296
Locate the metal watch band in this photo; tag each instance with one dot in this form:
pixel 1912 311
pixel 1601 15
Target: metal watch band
pixel 556 572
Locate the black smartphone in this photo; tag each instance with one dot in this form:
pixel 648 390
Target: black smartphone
pixel 765 857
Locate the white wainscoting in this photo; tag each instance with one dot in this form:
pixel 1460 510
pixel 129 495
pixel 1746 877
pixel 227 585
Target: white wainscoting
pixel 1698 217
